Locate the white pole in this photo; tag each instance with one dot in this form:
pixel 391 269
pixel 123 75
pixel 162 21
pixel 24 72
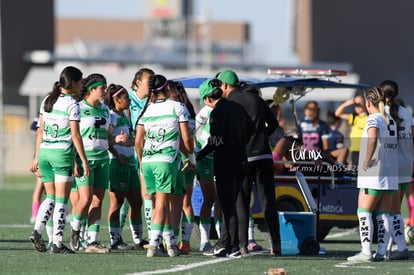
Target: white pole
pixel 2 145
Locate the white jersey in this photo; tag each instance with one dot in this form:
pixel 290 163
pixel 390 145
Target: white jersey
pixel 405 146
pixel 203 128
pixel 383 172
pixel 56 124
pixel 162 130
pixel 121 123
pixel 94 127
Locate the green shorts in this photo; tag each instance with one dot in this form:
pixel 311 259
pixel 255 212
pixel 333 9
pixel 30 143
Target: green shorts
pixel 122 178
pixel 99 176
pixel 403 186
pixel 189 175
pixel 160 176
pixel 180 184
pixel 205 168
pixel 375 192
pixel 55 165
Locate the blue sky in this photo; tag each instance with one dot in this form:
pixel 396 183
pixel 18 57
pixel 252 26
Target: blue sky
pixel 270 20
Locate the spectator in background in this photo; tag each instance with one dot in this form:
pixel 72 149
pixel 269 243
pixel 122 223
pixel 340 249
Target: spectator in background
pixel 357 120
pixel 314 134
pixel 336 138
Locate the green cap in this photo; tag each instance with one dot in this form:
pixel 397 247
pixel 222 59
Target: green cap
pixel 205 89
pixel 229 77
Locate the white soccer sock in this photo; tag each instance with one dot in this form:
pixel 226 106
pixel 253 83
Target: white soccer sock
pixel 251 229
pixel 114 233
pixel 93 231
pixel 397 232
pixel 169 237
pixel 204 232
pixel 366 231
pixel 383 233
pixel 186 228
pixel 44 214
pixel 136 231
pixel 217 226
pixel 147 215
pixel 155 237
pixel 59 223
pixel 49 230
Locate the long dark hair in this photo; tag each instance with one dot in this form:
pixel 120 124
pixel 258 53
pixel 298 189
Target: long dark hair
pixel 112 91
pixel 91 81
pixel 138 76
pixel 157 85
pixel 390 89
pixel 69 75
pixel 183 97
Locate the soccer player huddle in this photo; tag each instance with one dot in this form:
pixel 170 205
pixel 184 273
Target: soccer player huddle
pixel 146 148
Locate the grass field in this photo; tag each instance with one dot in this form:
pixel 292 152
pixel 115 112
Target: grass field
pixel 17 255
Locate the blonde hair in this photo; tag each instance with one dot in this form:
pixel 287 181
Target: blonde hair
pixel 376 96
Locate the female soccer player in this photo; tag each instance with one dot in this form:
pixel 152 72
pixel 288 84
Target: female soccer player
pixel 161 126
pixel 58 136
pixel 377 176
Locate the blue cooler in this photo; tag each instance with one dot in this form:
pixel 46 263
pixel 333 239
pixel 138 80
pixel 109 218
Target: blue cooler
pixel 298 233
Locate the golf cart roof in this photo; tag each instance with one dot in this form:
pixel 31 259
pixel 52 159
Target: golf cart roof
pixel 195 81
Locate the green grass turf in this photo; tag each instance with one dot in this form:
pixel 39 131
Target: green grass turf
pixel 17 255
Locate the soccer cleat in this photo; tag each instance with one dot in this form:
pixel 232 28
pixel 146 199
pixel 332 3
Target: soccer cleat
pixel 360 258
pixel 152 251
pixel 173 251
pixel 184 247
pixel 142 245
pixel 379 258
pixel 61 250
pixel 217 251
pixel 253 246
pixel 205 247
pixel 74 240
pixel 399 255
pixel 96 247
pixel 120 245
pixel 37 241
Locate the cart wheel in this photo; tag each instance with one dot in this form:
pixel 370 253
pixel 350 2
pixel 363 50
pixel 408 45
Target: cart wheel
pixel 310 247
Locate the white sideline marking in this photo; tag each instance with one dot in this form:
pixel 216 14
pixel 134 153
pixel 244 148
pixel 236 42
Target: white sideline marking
pixel 194 265
pixel 354 265
pixel 16 225
pixel 341 234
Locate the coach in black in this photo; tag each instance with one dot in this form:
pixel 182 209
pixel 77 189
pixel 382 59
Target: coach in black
pixel 229 132
pixel 260 162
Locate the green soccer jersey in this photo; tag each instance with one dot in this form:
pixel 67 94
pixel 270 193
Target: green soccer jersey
pixel 56 124
pixel 162 132
pixel 121 124
pixel 94 125
pixel 203 128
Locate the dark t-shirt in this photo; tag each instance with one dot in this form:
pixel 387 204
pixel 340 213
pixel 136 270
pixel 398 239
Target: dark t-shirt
pixel 229 130
pixel 263 119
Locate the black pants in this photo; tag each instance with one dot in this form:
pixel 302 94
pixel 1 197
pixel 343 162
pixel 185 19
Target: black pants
pixel 228 183
pixel 261 173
